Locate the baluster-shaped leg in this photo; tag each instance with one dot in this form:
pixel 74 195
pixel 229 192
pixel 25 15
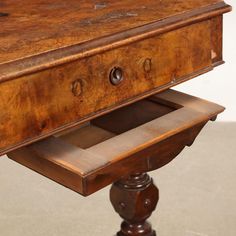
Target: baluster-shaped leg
pixel 134 199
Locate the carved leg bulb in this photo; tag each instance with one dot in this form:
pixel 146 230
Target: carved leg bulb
pixel 134 199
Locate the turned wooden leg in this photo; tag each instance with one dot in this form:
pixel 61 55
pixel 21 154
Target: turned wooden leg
pixel 134 199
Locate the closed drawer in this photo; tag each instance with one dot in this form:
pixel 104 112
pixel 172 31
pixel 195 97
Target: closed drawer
pixel 40 104
pixel 138 138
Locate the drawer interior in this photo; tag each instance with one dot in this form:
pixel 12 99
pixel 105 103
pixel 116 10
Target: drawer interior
pixel 137 138
pixel 117 122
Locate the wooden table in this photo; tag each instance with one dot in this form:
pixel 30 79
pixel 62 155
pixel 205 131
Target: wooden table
pixel 85 92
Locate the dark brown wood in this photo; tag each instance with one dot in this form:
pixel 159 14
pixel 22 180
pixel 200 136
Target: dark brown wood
pixel 134 198
pixel 3 14
pixel 92 157
pixel 217 42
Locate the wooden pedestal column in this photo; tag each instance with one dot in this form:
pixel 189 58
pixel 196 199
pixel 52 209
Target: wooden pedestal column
pixel 134 140
pixel 134 199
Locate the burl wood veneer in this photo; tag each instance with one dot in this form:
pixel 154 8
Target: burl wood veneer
pixel 79 91
pixel 57 58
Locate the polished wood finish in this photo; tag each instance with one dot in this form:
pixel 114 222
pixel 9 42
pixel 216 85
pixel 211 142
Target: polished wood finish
pixel 161 127
pixel 38 34
pixel 134 198
pixel 78 90
pixel 54 75
pixel 64 96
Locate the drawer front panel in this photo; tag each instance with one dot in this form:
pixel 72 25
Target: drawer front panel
pixel 36 105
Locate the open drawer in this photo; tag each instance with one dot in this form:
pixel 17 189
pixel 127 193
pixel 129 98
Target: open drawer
pixel 140 137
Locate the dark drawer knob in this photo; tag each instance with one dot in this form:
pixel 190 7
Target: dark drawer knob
pixel 116 75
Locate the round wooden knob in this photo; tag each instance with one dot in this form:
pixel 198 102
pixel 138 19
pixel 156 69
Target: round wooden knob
pixel 77 87
pixel 116 75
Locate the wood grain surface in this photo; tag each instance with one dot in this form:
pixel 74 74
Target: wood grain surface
pixel 150 145
pixel 38 34
pixel 79 74
pixel 134 199
pixel 56 58
pixel 38 105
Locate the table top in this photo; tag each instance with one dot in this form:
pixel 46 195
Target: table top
pixel 59 59
pixel 41 33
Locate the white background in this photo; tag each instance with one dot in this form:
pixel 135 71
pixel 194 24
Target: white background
pixel 219 85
